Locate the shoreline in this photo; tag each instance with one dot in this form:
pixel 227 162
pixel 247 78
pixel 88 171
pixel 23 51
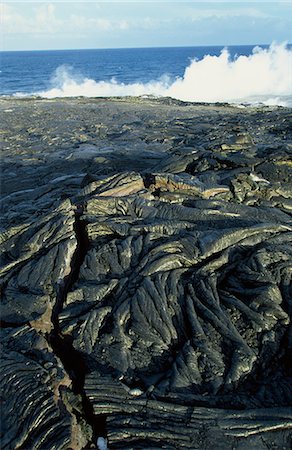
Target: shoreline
pixel 146 97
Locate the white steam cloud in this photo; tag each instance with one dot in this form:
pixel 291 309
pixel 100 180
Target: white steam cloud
pixel 69 85
pixel 264 76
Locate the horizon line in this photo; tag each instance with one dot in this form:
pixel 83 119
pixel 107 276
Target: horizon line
pixel 140 48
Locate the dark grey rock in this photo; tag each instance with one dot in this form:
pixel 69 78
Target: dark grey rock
pixel 33 384
pixel 145 275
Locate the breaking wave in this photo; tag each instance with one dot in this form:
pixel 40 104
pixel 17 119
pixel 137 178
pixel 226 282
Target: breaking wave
pixel 264 76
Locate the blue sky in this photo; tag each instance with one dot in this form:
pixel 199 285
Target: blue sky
pixel 103 24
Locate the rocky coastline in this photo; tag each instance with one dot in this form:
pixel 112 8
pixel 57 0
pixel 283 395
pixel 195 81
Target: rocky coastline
pixel 145 275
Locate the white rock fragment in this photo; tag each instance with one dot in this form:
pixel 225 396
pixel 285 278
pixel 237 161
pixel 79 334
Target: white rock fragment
pixel 102 443
pixel 135 392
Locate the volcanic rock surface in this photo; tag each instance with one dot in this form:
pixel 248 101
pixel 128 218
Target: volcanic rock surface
pixel 145 275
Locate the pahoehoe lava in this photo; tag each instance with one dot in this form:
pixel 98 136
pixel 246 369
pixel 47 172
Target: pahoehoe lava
pixel 145 275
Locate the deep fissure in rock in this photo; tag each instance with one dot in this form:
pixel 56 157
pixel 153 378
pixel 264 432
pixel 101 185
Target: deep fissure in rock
pixel 74 361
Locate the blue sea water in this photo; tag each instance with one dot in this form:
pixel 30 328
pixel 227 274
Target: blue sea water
pixel 181 72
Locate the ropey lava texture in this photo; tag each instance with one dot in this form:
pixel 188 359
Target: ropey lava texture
pixel 152 306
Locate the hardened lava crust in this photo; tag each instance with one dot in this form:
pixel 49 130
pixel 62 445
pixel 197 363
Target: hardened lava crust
pixel 145 275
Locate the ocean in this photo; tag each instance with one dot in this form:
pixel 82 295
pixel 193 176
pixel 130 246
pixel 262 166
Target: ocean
pixel 234 74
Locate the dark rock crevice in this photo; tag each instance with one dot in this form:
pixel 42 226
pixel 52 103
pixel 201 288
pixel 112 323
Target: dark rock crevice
pixel 76 263
pixel 6 324
pixel 74 361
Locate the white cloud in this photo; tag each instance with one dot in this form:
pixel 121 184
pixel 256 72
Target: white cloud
pixel 197 14
pixel 69 24
pixel 44 20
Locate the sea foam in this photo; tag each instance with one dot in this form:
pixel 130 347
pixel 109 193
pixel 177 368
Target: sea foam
pixel 264 76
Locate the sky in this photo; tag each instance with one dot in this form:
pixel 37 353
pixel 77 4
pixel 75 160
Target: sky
pixel 44 25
